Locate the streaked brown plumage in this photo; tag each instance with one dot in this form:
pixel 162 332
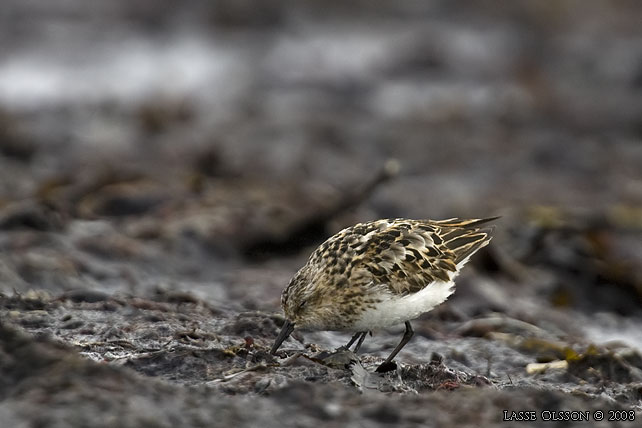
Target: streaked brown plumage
pixel 380 273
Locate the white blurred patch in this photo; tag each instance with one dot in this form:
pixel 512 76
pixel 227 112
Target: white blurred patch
pixel 125 70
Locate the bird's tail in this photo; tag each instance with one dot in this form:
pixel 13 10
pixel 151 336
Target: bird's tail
pixel 463 236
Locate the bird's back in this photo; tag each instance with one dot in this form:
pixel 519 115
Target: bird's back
pixel 405 255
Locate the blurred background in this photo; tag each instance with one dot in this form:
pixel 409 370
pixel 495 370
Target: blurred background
pixel 186 141
pixel 166 167
pixel 206 147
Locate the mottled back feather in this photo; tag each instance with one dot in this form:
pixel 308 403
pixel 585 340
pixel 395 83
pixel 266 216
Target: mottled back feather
pixel 403 255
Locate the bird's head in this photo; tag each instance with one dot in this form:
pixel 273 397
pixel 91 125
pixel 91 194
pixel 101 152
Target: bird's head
pixel 305 304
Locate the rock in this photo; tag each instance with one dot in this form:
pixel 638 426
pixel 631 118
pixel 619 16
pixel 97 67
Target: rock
pixel 29 215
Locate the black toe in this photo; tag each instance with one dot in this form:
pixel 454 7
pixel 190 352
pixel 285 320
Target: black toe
pixel 387 367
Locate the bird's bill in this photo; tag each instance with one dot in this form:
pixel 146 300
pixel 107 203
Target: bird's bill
pixel 288 327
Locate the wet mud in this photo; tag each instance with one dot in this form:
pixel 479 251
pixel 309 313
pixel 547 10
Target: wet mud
pixel 149 223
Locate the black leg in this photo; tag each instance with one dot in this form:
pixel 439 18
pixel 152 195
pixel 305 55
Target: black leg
pixel 361 335
pixel 361 339
pixel 388 365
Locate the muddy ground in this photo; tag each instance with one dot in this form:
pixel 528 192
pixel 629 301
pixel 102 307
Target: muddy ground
pixel 163 174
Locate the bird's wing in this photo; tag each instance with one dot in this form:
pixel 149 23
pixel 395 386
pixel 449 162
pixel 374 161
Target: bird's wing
pixel 408 255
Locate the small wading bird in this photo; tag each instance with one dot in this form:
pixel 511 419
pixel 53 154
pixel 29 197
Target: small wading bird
pixel 378 274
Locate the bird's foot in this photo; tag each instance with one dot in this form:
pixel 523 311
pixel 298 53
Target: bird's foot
pixel 386 366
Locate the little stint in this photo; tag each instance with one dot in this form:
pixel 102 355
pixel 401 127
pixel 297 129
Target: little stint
pixel 378 274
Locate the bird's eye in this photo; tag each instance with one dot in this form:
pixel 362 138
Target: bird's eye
pixel 301 305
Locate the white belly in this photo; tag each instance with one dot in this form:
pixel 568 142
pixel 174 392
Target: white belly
pixel 395 310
